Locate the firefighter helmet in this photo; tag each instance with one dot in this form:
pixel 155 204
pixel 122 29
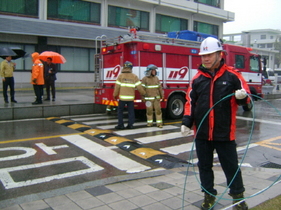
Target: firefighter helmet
pixel 210 45
pixel 149 68
pixel 128 64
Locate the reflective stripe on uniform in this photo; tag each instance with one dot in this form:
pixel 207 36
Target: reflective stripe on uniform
pixel 152 98
pixel 150 86
pixel 126 97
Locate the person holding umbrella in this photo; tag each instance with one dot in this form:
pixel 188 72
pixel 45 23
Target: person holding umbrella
pixel 50 71
pixel 37 78
pixel 7 71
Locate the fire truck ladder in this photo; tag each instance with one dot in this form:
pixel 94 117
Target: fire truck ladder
pixel 97 76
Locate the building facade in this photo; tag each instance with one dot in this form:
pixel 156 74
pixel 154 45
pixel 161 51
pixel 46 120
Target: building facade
pixel 75 28
pixel 262 41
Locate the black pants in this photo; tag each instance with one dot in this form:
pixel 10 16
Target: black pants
pixel 50 84
pixel 38 90
pixel 9 82
pixel 131 112
pixel 227 154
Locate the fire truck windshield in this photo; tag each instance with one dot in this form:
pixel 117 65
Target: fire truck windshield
pixel 255 63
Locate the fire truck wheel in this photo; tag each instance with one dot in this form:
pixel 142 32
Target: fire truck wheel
pixel 175 106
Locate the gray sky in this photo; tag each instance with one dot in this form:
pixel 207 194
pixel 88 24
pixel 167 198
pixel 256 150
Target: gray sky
pixel 253 14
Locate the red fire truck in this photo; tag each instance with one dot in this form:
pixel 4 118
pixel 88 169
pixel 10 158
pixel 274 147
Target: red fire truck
pixel 177 61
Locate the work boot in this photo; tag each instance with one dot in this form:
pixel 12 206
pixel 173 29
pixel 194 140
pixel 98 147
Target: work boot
pixel 149 125
pixel 241 206
pixel 209 201
pixel 160 126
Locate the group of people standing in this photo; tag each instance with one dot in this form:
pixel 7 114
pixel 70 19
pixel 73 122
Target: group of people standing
pixel 150 89
pixel 43 73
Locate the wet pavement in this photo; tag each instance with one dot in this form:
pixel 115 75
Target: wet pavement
pixel 156 188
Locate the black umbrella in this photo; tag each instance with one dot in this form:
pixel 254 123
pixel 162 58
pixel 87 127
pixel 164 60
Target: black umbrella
pixel 5 51
pixel 14 52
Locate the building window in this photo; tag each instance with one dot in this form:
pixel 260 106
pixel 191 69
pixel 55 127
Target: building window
pixel 261 45
pixel 271 37
pixel 73 54
pixel 270 45
pixel 214 3
pixel 166 24
pixel 123 17
pixel 263 36
pixel 20 7
pixel 206 28
pixel 74 11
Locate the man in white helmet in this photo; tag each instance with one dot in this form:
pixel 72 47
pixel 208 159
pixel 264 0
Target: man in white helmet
pixel 214 81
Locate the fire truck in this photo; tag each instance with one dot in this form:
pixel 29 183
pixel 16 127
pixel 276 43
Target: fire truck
pixel 177 61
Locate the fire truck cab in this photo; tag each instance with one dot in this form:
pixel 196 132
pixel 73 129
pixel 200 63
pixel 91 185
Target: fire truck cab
pixel 177 61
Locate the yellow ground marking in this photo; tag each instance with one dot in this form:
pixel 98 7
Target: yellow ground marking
pixel 170 123
pixel 38 138
pixel 117 140
pixel 51 118
pixel 75 126
pixel 269 143
pixel 63 121
pixel 94 132
pixel 146 152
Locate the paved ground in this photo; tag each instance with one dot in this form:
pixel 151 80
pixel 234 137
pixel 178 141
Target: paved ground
pixel 174 189
pixel 177 189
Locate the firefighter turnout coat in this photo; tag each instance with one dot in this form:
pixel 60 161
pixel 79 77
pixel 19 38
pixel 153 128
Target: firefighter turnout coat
pixel 126 84
pixel 212 105
pixel 154 93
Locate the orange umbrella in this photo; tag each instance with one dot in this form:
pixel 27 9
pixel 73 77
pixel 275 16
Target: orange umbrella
pixel 56 57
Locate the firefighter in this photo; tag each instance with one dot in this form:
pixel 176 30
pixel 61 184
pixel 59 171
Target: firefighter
pixel 212 83
pixel 154 94
pixel 125 89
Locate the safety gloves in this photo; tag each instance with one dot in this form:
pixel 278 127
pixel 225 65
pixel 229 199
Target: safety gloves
pixel 185 131
pixel 240 94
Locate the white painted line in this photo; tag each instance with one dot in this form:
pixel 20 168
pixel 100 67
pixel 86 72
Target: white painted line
pixel 106 154
pixel 50 149
pixel 113 126
pixel 100 122
pixel 93 118
pixel 175 150
pixel 144 130
pixel 162 137
pixel 258 120
pixel 28 153
pixel 239 149
pixel 9 183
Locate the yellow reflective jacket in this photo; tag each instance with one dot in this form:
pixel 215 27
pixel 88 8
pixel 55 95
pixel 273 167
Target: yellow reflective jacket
pixel 152 87
pixel 126 84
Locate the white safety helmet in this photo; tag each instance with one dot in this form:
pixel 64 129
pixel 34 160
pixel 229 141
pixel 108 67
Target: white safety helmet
pixel 210 45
